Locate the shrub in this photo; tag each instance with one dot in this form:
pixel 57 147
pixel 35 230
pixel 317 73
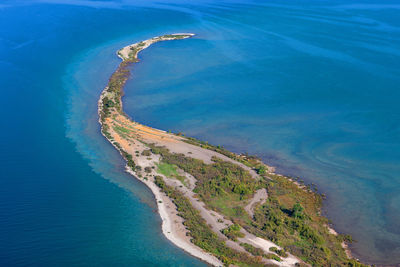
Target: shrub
pixel 253 250
pixel 297 211
pixel 146 153
pixel 261 170
pixel 232 232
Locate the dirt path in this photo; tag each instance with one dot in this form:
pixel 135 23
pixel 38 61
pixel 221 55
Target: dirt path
pixel 259 198
pixel 217 222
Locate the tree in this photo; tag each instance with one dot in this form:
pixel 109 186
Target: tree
pixel 261 170
pixel 297 211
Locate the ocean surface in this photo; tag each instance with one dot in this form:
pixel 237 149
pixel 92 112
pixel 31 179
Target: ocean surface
pixel 312 87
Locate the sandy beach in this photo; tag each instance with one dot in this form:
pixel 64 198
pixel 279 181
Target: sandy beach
pixel 172 224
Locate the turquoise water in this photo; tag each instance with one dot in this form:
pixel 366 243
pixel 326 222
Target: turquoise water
pixel 312 87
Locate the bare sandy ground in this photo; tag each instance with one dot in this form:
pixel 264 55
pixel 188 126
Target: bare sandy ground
pixel 124 52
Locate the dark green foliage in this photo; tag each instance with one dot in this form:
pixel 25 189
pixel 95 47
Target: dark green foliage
pixel 298 228
pixel 232 232
pixel 355 263
pixel 261 170
pixel 175 36
pixel 276 224
pixel 128 158
pixel 251 161
pixel 147 169
pixel 107 105
pixel 253 250
pixel 259 252
pixel 280 252
pixel 281 218
pixel 213 180
pixel 297 211
pixel 273 257
pixel 346 238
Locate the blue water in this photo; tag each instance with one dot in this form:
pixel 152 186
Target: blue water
pixel 312 87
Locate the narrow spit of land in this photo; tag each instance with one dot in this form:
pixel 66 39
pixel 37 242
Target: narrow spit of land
pixel 223 208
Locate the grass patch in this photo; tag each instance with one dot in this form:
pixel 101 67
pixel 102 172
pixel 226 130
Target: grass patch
pixel 170 171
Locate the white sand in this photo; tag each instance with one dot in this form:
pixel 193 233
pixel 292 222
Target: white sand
pixel 170 227
pixel 290 260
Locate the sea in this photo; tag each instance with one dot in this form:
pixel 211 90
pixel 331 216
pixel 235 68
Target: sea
pixel 312 87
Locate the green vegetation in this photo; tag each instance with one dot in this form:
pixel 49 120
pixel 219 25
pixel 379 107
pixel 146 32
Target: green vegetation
pixel 253 250
pixel 121 129
pixel 128 157
pixel 290 216
pixel 258 252
pixel 251 161
pixel 201 233
pixel 232 232
pixel 280 252
pixel 261 170
pixel 175 36
pixel 146 153
pixel 297 228
pixel 123 132
pixel 111 96
pixel 107 105
pixel 170 171
pixel 221 185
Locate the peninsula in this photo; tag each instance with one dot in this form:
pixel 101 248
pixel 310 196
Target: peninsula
pixel 223 208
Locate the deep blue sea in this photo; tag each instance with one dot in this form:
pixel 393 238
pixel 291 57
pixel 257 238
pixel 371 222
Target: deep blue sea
pixel 312 87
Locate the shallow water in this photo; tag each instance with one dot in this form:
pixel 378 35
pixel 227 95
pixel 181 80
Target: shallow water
pixel 310 86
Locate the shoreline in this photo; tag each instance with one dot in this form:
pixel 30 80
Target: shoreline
pixel 167 225
pixel 166 218
pixel 130 138
pixel 344 245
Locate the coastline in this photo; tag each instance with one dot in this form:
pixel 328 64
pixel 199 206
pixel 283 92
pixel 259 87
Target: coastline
pixel 110 112
pixel 344 245
pixel 171 225
pixel 173 231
